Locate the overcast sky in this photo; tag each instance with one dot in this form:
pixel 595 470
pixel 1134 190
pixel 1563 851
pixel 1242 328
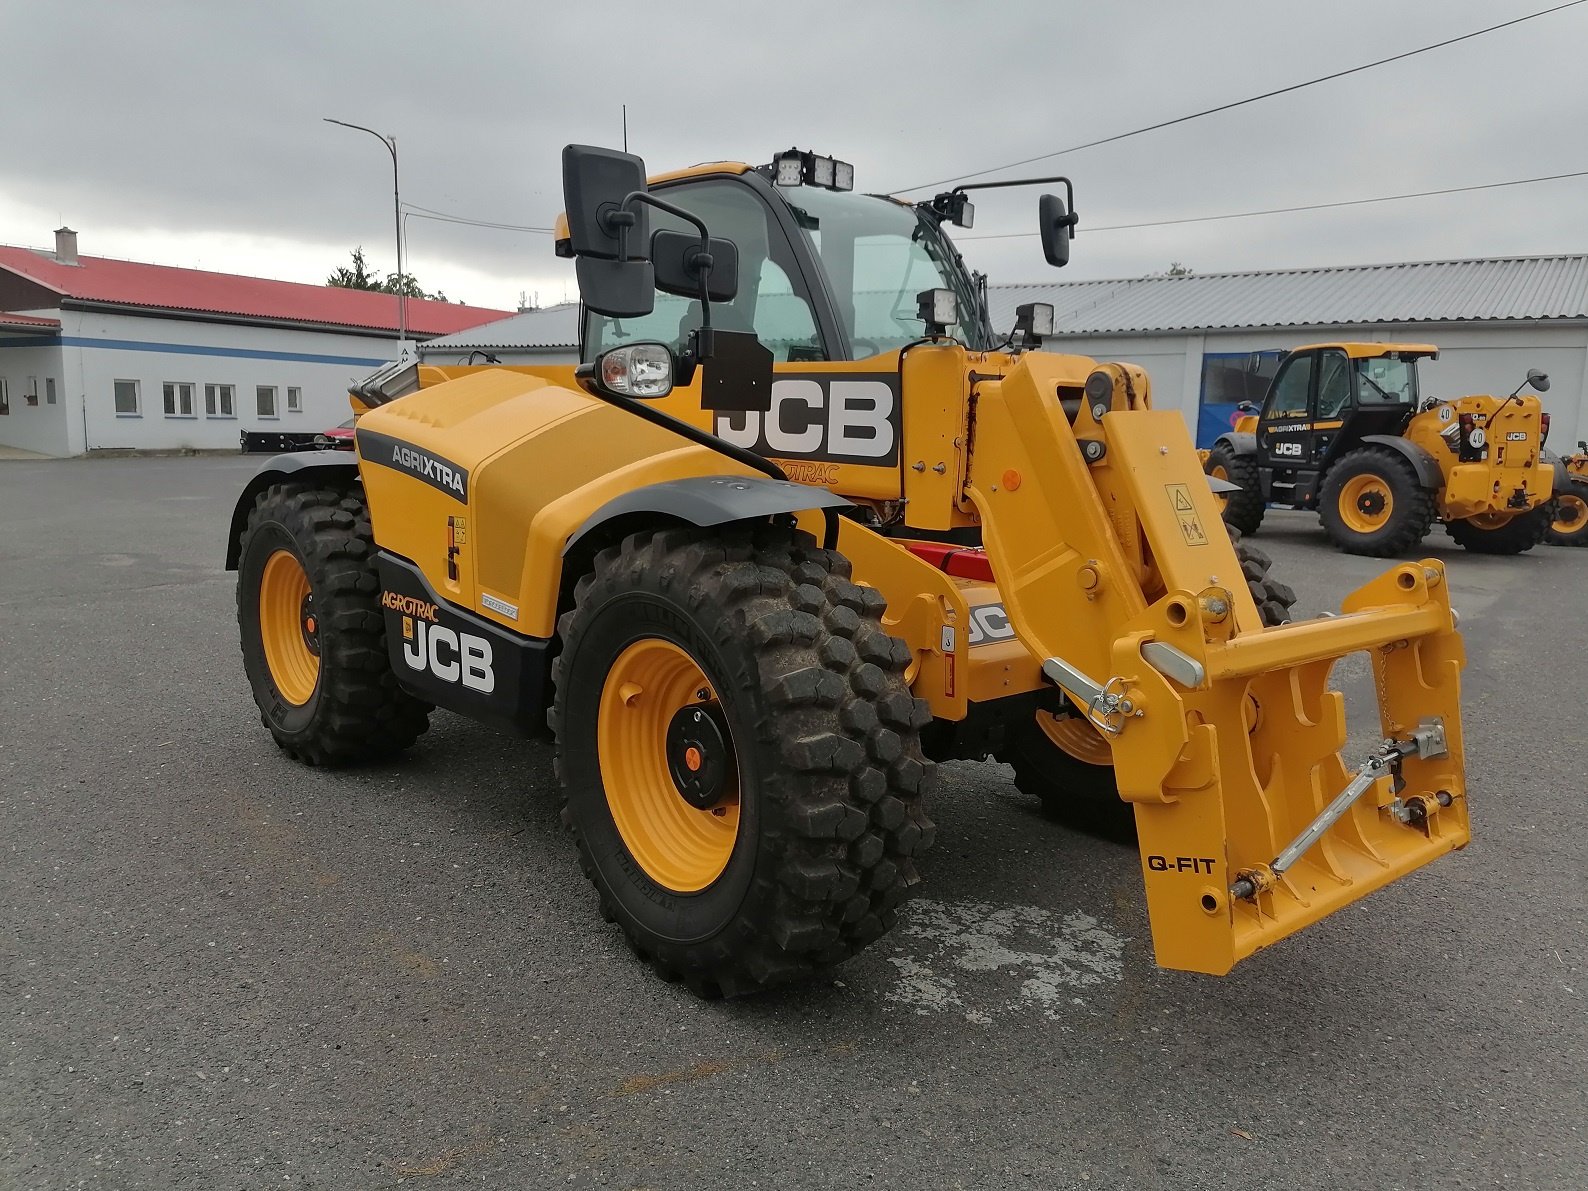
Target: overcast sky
pixel 189 133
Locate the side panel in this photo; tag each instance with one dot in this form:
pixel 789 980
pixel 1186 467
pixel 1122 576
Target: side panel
pixel 457 660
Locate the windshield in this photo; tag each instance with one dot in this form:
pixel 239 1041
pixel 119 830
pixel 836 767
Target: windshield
pixel 877 256
pixel 1386 380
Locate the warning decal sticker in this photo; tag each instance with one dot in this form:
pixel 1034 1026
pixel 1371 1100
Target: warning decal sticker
pixel 1186 514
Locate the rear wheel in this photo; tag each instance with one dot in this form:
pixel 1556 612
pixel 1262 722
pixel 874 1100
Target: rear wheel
pixel 1570 526
pixel 313 636
pixel 739 754
pixel 1244 509
pixel 1067 764
pixel 1503 533
pixel 1373 504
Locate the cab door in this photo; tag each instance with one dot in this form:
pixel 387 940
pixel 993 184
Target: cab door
pixel 1284 432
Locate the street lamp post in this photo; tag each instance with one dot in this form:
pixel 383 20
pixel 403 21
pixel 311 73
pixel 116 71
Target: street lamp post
pixel 402 281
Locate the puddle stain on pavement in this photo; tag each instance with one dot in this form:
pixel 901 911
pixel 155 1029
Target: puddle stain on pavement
pixel 983 961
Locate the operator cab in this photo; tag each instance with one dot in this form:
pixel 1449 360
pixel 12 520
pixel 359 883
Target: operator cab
pixel 1325 399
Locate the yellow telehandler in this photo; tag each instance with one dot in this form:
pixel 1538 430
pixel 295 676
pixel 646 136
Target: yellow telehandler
pixel 1345 430
pixel 802 524
pixel 1570 526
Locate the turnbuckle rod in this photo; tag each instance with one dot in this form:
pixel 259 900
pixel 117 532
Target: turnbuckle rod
pixel 1427 741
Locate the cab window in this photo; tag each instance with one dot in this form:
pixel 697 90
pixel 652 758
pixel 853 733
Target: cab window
pixel 1334 384
pixel 772 300
pixel 1289 397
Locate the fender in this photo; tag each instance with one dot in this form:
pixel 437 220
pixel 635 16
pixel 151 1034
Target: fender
pixel 711 500
pixel 1557 467
pixel 333 466
pixel 1242 442
pixel 1424 464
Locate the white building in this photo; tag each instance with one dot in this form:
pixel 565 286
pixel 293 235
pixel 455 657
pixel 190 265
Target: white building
pixel 1208 340
pixel 98 353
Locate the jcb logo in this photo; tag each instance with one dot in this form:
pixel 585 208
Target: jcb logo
pixel 989 623
pixel 1288 448
pixel 825 418
pixel 450 656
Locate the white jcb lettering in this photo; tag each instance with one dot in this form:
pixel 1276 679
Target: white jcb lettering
pixel 797 402
pixel 477 673
pixel 858 422
pixel 450 656
pixel 845 419
pixel 444 669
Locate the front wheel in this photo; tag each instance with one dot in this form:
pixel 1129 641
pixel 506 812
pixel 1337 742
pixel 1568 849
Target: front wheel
pixel 313 636
pixel 1244 509
pixel 1372 503
pixel 1503 533
pixel 739 754
pixel 1067 764
pixel 1570 526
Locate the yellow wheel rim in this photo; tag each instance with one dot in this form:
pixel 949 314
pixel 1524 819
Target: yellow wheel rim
pixel 1489 520
pixel 1076 737
pixel 681 846
pixel 289 628
pixel 1219 472
pixel 1571 512
pixel 1366 504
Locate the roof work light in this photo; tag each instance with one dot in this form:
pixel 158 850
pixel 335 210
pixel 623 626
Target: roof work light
pixel 797 167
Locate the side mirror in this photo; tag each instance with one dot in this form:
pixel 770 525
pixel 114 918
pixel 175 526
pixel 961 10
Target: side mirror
pixel 609 237
pixel 677 257
pixel 1246 407
pixel 1538 380
pixel 640 370
pixel 1055 221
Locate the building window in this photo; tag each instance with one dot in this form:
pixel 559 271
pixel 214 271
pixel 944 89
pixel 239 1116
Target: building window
pixel 49 390
pixel 32 394
pixel 127 403
pixel 265 398
pixel 5 398
pixel 178 399
pixel 220 401
pixel 294 400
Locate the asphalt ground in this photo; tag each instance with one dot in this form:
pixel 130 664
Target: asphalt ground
pixel 223 970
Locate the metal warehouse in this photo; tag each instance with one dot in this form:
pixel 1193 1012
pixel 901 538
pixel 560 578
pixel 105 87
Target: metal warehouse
pixel 1211 340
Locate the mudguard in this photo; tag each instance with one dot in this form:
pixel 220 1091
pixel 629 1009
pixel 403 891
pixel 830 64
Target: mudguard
pixel 1427 468
pixel 337 465
pixel 1242 442
pixel 712 500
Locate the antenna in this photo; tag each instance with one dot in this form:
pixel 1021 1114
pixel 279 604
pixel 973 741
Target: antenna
pixel 625 128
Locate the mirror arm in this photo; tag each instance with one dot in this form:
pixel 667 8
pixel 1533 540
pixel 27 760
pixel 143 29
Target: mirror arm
pixel 702 262
pixel 585 374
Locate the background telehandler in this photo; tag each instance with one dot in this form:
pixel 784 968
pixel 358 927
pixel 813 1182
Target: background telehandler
pixel 1570 527
pixel 1344 430
pixel 802 524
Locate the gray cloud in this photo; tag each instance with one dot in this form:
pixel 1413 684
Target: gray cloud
pixel 206 117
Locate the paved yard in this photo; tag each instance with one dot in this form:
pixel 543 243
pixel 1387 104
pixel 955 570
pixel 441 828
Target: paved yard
pixel 223 970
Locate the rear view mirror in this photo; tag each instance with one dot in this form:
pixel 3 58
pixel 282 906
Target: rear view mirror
pixel 1538 380
pixel 1055 223
pixel 610 239
pixel 676 256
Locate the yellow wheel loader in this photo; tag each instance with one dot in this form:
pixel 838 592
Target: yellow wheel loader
pixel 1344 430
pixel 799 526
pixel 1570 526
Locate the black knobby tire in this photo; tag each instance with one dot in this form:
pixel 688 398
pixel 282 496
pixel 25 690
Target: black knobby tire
pixel 1412 508
pixel 1244 509
pixel 1570 524
pixel 1521 533
pixel 1085 796
pixel 831 777
pixel 356 712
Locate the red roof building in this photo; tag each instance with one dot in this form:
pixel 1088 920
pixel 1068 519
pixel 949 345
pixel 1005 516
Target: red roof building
pixel 98 353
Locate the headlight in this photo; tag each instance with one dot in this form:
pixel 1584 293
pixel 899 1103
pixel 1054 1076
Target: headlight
pixel 643 370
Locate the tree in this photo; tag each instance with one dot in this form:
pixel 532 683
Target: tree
pixel 361 276
pixel 1176 269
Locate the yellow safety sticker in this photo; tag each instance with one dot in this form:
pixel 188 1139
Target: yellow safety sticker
pixel 1186 514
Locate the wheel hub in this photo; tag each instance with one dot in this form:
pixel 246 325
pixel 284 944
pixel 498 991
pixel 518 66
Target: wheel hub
pixel 698 755
pixel 1370 503
pixel 309 623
